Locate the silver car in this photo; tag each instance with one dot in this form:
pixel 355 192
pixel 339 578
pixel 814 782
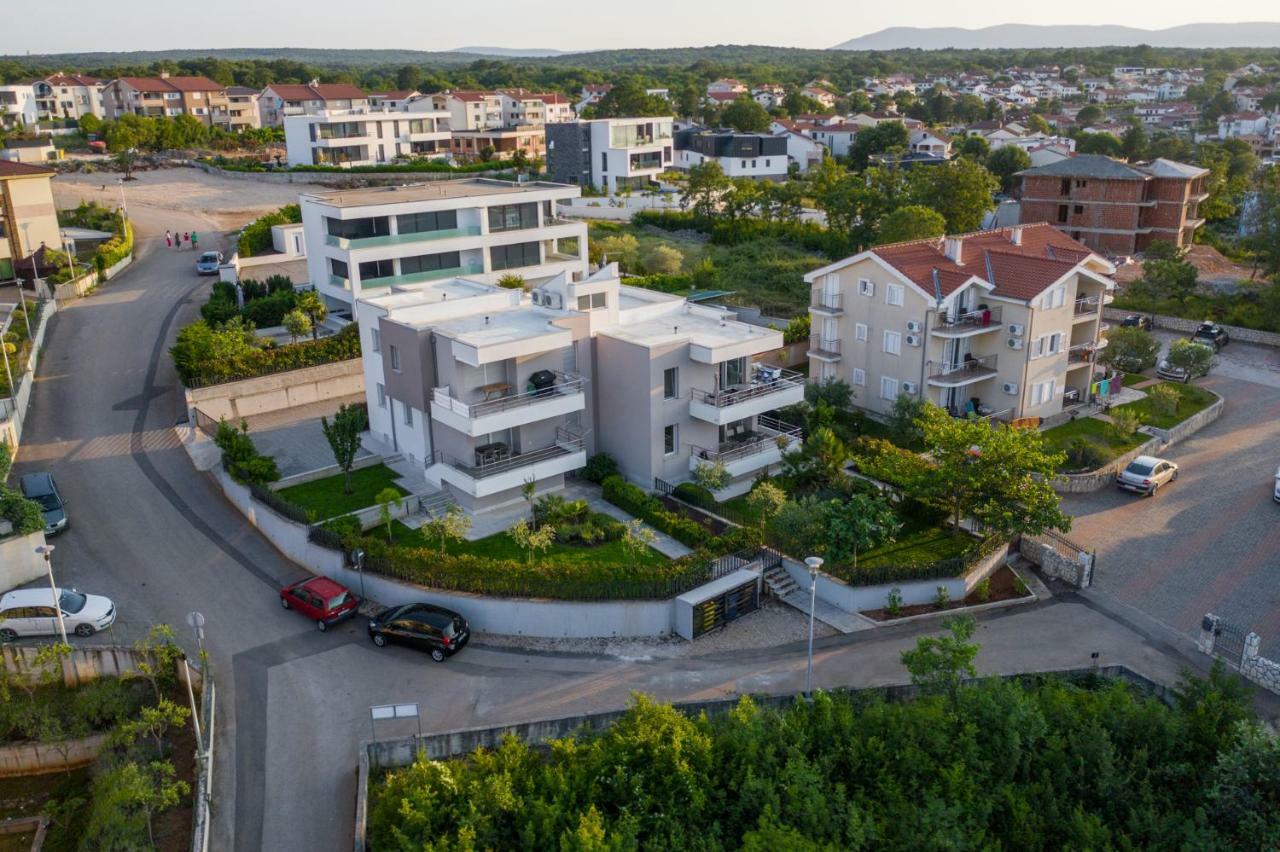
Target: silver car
pixel 209 262
pixel 1146 474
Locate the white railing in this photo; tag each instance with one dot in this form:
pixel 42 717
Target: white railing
pixel 565 385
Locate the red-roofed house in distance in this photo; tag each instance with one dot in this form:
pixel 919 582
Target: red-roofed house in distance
pixel 70 96
pixel 1003 324
pixel 168 96
pixel 279 100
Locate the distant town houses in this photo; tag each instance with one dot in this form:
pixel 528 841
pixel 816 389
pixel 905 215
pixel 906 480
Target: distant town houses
pixel 168 96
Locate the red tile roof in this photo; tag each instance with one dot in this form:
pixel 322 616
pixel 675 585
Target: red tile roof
pixel 9 169
pixel 724 96
pixel 173 84
pixel 472 96
pixel 72 80
pixel 317 91
pixel 1022 271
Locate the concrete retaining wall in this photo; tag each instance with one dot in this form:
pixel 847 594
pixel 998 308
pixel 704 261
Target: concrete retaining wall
pixel 518 616
pixel 13 410
pixel 277 391
pixel 324 472
pixel 852 599
pixel 1246 335
pixel 85 663
pixel 35 758
pixel 19 562
pixel 342 179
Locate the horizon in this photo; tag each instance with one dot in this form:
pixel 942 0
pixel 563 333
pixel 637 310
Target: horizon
pixel 556 25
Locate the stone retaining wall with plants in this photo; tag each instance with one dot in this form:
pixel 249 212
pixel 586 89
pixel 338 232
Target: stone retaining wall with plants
pixel 1238 333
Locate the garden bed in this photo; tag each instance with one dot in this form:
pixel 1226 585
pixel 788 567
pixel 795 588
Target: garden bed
pixel 1192 400
pixel 325 497
pixel 501 546
pixel 1098 433
pixel 918 542
pixel 1005 585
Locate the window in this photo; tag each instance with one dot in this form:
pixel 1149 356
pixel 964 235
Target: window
pixel 893 342
pixel 670 439
pixel 1062 212
pixel 372 269
pixel 408 416
pixel 888 388
pixel 593 301
pixel 1053 343
pixel 395 359
pixel 516 256
pixel 893 294
pixel 1078 209
pixel 860 331
pixel 671 383
pixel 866 287
pixel 430 262
pixel 1081 184
pixel 604 161
pixel 1043 392
pixel 513 217
pixel 419 223
pixel 375 340
pixel 859 377
pixel 382 395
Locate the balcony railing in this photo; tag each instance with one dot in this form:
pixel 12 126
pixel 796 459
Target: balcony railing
pixel 973 368
pixel 567 443
pixel 770 433
pixel 421 277
pixel 831 303
pixel 566 384
pixel 1087 305
pixel 757 388
pixel 1081 353
pixel 983 318
pixel 824 347
pixel 398 239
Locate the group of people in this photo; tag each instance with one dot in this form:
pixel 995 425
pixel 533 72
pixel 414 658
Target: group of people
pixel 185 239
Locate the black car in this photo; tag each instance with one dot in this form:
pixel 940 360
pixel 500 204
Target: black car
pixel 1211 335
pixel 41 488
pixel 1136 321
pixel 440 631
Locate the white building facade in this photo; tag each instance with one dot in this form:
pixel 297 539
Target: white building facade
pixel 364 137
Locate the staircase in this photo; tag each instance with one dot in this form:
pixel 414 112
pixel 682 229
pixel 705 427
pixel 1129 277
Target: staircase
pixel 779 581
pixel 435 505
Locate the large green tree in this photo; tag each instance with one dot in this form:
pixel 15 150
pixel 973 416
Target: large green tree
pixel 746 116
pixel 628 98
pixel 961 190
pixel 1006 162
pixel 886 137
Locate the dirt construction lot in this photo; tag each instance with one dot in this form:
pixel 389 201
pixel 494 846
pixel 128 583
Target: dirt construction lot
pixel 226 202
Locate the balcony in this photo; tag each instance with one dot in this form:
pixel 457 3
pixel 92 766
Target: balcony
pixel 349 243
pixel 756 450
pixel 831 304
pixel 474 419
pixel 1086 308
pixel 824 349
pixel 969 371
pixel 495 469
pixel 1084 353
pixel 644 164
pixel 785 387
pixel 969 323
pixel 421 277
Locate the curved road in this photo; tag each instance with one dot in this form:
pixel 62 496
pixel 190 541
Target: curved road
pixel 158 537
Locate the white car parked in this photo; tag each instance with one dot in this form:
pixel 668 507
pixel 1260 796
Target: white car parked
pixel 30 612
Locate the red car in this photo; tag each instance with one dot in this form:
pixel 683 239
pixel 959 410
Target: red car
pixel 320 599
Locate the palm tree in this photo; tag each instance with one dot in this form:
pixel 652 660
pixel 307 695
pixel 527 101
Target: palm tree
pixel 314 307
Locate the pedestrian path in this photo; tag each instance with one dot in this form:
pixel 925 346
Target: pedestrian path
pixel 845 622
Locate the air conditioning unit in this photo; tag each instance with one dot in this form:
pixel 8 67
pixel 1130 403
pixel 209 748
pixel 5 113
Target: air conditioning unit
pixel 1015 343
pixel 1010 387
pixel 1016 329
pixel 910 387
pixel 536 295
pixel 913 340
pixel 913 326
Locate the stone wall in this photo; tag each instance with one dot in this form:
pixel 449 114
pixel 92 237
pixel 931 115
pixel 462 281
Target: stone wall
pixel 1191 425
pixel 1054 561
pixel 1238 333
pixel 1260 670
pixel 277 391
pixel 38 758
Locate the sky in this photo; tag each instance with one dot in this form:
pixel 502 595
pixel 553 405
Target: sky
pixel 94 25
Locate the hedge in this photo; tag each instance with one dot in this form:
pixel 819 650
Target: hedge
pixel 256 236
pixel 636 501
pixel 199 365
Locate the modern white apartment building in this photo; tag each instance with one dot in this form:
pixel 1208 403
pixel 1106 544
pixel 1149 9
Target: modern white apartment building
pixel 70 96
pixel 1003 323
pixel 18 106
pixel 364 241
pixel 753 155
pixel 490 388
pixel 610 153
pixel 364 137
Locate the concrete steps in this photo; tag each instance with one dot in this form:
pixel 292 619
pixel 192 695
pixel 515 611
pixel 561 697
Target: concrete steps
pixel 779 582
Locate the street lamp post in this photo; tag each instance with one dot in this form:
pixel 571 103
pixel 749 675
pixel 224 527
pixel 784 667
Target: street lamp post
pixel 813 563
pixel 124 211
pixel 46 550
pixel 357 559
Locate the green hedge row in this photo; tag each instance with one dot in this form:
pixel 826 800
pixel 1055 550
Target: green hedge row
pixel 256 236
pixel 210 356
pixel 636 501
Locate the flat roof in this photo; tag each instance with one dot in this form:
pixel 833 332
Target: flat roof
pixel 700 326
pixel 501 326
pixel 439 190
pixel 401 301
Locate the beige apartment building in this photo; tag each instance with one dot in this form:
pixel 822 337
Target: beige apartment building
pixel 1004 324
pixel 168 97
pixel 28 217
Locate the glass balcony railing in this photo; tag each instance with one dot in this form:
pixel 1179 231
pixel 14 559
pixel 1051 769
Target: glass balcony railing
pixel 421 277
pixel 400 239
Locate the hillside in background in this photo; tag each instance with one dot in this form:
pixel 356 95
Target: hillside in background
pixel 512 52
pixel 1006 36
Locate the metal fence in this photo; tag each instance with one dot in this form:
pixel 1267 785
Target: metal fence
pixel 696 498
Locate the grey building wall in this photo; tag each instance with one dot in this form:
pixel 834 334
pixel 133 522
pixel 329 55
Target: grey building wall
pixel 412 382
pixel 627 415
pixel 569 153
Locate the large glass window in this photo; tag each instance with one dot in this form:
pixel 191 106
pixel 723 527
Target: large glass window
pixel 339 268
pixel 513 217
pixel 417 223
pixel 376 269
pixel 354 229
pixel 430 262
pixel 733 372
pixel 514 257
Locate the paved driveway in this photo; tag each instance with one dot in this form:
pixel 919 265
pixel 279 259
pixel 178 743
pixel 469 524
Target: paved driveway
pixel 1211 541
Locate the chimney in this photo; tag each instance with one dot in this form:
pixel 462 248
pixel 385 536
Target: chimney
pixel 1015 235
pixel 953 248
pixel 164 75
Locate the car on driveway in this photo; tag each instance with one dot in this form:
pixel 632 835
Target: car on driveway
pixel 1211 334
pixel 320 599
pixel 209 262
pixel 31 612
pixel 424 627
pixel 1141 321
pixel 1146 474
pixel 41 488
pixel 1165 370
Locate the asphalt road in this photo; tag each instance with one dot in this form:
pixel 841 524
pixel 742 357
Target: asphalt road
pixel 1211 541
pixel 158 538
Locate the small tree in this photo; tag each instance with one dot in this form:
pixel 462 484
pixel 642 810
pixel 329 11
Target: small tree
pixel 766 501
pixel 860 522
pixel 532 540
pixel 343 435
pixel 662 260
pixel 156 655
pixel 453 525
pixel 637 539
pixel 1164 399
pixel 297 324
pixel 387 500
pixel 1124 423
pixel 310 303
pixel 1195 358
pixel 529 492
pixel 124 801
pixel 904 420
pixel 712 476
pixel 911 222
pixel 940 664
pixel 819 461
pixel 154 722
pixel 512 281
pixel 1130 349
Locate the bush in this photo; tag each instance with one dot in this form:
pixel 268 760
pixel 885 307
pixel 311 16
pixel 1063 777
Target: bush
pixel 1124 423
pixel 241 458
pixel 1164 399
pixel 1083 454
pixel 208 356
pixel 256 236
pixel 511 281
pixel 600 467
pixel 646 507
pixel 691 492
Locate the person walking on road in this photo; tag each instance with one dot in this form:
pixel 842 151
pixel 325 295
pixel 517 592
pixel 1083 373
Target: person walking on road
pixel 195 242
pixel 186 240
pixel 168 239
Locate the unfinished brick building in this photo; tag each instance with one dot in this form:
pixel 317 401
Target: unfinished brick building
pixel 1115 207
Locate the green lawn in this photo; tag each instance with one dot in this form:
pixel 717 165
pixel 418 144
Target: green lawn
pixel 1193 399
pixel 325 496
pixel 918 542
pixel 1059 439
pixel 1131 379
pixel 502 546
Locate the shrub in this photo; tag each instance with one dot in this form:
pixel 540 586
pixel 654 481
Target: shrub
pixel 635 501
pixel 206 356
pixel 256 236
pixel 241 458
pixel 943 597
pixel 982 591
pixel 1084 454
pixel 691 492
pixel 1164 399
pixel 894 601
pixel 600 467
pixel 512 281
pixel 1124 423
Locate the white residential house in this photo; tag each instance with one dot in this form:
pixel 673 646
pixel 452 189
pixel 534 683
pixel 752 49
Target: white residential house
pixel 363 241
pixel 837 138
pixel 280 100
pixel 591 95
pixel 769 95
pixel 18 105
pixel 364 137
pixel 394 100
pixel 610 153
pixel 1249 98
pixel 930 142
pixel 70 96
pixel 726 84
pixel 822 96
pixel 753 155
pixel 803 150
pixel 1238 124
